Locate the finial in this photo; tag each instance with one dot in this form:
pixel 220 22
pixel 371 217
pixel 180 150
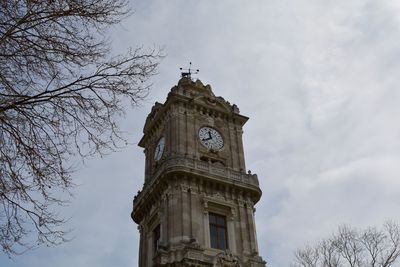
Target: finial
pixel 188 72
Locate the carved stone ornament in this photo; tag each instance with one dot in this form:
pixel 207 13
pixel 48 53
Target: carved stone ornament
pixel 226 259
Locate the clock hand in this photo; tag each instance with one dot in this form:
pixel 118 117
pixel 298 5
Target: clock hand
pixel 206 139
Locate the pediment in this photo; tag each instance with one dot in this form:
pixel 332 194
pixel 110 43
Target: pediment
pixel 215 103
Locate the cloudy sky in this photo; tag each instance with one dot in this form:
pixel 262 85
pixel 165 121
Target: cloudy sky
pixel 319 81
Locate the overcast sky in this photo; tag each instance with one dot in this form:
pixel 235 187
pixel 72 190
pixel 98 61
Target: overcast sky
pixel 319 80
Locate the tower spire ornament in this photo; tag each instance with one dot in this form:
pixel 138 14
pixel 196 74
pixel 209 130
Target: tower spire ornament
pixel 188 72
pixel 197 204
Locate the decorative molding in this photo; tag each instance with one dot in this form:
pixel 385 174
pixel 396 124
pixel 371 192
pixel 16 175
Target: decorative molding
pixel 213 169
pixel 184 188
pixel 227 259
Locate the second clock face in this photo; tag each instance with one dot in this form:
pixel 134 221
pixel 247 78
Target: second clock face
pixel 211 138
pixel 159 149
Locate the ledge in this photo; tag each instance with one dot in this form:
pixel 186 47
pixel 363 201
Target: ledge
pixel 207 170
pixel 199 166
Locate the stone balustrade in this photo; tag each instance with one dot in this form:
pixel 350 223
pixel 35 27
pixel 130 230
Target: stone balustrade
pixel 196 166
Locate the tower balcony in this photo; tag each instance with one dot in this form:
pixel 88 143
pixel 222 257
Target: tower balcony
pixel 206 171
pixel 208 168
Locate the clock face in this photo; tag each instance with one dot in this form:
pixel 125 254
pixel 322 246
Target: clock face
pixel 159 149
pixel 211 138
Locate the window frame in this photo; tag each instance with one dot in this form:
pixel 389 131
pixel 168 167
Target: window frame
pixel 222 244
pixel 156 238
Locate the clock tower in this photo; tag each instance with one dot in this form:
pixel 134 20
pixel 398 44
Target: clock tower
pixel 196 207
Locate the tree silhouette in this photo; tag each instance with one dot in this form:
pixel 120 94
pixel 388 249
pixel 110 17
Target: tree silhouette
pixel 60 95
pixel 355 248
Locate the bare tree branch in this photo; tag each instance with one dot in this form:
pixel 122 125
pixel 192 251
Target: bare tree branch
pixel 350 247
pixel 60 96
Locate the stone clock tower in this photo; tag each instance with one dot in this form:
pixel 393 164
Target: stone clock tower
pixel 196 207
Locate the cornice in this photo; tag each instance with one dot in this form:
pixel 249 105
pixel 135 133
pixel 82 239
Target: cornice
pixel 206 171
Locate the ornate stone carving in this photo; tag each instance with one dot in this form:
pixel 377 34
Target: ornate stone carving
pixel 184 188
pixel 218 195
pixel 226 259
